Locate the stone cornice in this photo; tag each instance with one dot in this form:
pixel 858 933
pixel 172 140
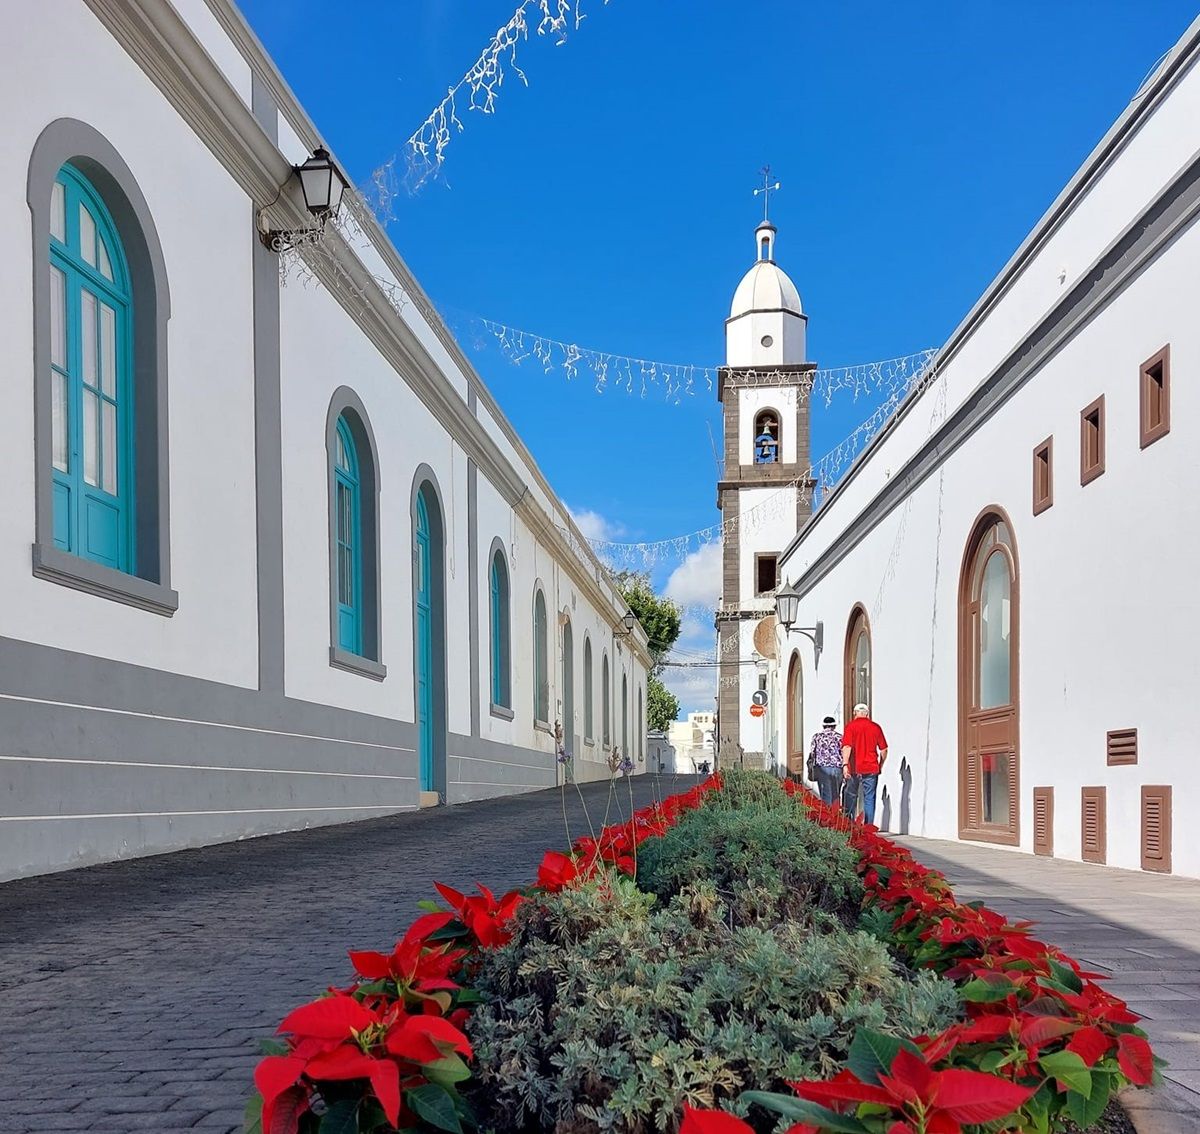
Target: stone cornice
pixel 161 43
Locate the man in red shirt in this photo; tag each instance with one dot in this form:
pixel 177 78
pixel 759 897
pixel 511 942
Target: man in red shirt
pixel 864 751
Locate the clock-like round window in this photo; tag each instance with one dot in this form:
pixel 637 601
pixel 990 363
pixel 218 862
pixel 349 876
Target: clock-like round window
pixel 767 341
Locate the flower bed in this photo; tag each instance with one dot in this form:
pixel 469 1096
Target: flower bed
pixel 760 944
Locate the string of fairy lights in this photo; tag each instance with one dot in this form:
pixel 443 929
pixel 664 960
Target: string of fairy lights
pixel 424 154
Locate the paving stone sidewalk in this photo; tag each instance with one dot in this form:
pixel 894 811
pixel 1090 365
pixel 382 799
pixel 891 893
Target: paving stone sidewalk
pixel 133 995
pixel 1143 929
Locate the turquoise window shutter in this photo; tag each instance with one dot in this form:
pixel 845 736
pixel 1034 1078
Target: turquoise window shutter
pixel 347 497
pixel 91 351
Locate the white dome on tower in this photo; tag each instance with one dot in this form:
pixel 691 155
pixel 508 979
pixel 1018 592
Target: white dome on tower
pixel 765 287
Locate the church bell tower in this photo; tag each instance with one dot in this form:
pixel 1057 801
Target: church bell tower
pixel 765 490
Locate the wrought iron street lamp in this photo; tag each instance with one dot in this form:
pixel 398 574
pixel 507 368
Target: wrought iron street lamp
pixel 323 185
pixel 787 608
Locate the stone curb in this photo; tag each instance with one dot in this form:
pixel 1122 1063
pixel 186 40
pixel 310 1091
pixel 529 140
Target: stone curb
pixel 1166 1109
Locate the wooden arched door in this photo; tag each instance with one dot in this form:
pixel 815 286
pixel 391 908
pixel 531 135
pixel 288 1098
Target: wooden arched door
pixel 858 663
pixel 988 696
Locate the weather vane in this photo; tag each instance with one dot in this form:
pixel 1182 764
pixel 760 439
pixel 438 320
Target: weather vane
pixel 766 188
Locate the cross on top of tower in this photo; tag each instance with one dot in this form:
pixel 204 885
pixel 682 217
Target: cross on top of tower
pixel 766 189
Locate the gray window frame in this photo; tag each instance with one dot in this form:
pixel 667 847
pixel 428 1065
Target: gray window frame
pixel 69 140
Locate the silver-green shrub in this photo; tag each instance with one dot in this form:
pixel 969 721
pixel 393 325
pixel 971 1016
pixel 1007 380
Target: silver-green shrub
pixel 608 1009
pixel 768 861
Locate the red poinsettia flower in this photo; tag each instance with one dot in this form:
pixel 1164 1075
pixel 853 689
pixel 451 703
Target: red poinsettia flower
pixel 556 872
pixel 936 1102
pixel 484 914
pixel 338 1038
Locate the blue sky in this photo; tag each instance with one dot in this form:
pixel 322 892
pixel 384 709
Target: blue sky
pixel 608 203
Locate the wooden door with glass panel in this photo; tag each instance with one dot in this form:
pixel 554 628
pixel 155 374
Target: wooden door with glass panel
pixel 989 800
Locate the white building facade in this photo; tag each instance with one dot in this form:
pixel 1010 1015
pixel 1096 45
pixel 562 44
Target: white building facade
pixel 271 555
pixel 1006 575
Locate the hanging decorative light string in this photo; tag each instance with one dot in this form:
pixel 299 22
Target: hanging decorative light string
pixel 424 154
pixel 676 380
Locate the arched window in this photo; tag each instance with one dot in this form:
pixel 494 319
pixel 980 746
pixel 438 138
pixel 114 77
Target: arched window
pixel 348 508
pixel 640 725
pixel 541 670
pixel 589 733
pixel 624 715
pixel 795 711
pixel 605 704
pixel 858 662
pixel 989 799
pixel 353 538
pixel 91 382
pixel 568 687
pixel 500 637
pixel 101 305
pixel 766 437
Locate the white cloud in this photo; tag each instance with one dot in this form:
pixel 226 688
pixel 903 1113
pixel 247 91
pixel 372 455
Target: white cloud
pixel 695 688
pixel 697 580
pixel 595 526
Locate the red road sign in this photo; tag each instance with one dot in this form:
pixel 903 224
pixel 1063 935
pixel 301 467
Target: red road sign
pixel 758 710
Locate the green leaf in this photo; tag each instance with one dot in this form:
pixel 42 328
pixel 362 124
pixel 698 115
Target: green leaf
pixel 447 1071
pixel 434 1104
pixel 801 1110
pixel 1084 1110
pixel 273 1047
pixel 1070 1069
pixel 990 1061
pixel 429 906
pixel 979 991
pixel 253 1114
pixel 341 1118
pixel 1064 974
pixel 873 1052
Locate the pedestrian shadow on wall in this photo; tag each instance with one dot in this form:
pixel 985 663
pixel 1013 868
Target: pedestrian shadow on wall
pixel 905 809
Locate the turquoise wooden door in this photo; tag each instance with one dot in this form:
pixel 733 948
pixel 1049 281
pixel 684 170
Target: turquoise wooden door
pixel 423 587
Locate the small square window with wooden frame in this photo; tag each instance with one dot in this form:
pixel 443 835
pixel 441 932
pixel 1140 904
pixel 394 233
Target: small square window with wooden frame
pixel 766 574
pixel 1043 476
pixel 1155 397
pixel 1091 441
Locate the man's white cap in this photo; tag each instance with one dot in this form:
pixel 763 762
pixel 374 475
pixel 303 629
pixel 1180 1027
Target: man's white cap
pixel 860 708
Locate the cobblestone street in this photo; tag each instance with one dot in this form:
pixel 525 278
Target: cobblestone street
pixel 133 995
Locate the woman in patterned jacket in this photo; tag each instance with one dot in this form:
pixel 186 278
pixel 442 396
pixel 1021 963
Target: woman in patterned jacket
pixel 825 758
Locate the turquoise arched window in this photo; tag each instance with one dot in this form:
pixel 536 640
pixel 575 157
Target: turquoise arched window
pixel 541 667
pixel 348 511
pixel 605 704
pixel 589 732
pixel 91 316
pixel 501 656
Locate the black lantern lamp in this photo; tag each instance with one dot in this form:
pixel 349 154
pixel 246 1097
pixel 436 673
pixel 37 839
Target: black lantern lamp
pixel 787 608
pixel 630 621
pixel 323 185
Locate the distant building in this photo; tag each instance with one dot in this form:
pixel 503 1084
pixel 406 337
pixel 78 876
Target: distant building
pixel 693 741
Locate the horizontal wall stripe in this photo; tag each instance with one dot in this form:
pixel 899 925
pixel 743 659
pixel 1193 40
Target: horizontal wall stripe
pixel 207 724
pixel 495 784
pixel 176 814
pixel 491 760
pixel 204 767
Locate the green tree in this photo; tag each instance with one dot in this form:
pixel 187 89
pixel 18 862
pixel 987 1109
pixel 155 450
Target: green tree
pixel 662 706
pixel 661 619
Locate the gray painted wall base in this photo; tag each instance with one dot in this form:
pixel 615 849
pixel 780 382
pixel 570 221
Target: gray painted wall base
pixel 102 760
